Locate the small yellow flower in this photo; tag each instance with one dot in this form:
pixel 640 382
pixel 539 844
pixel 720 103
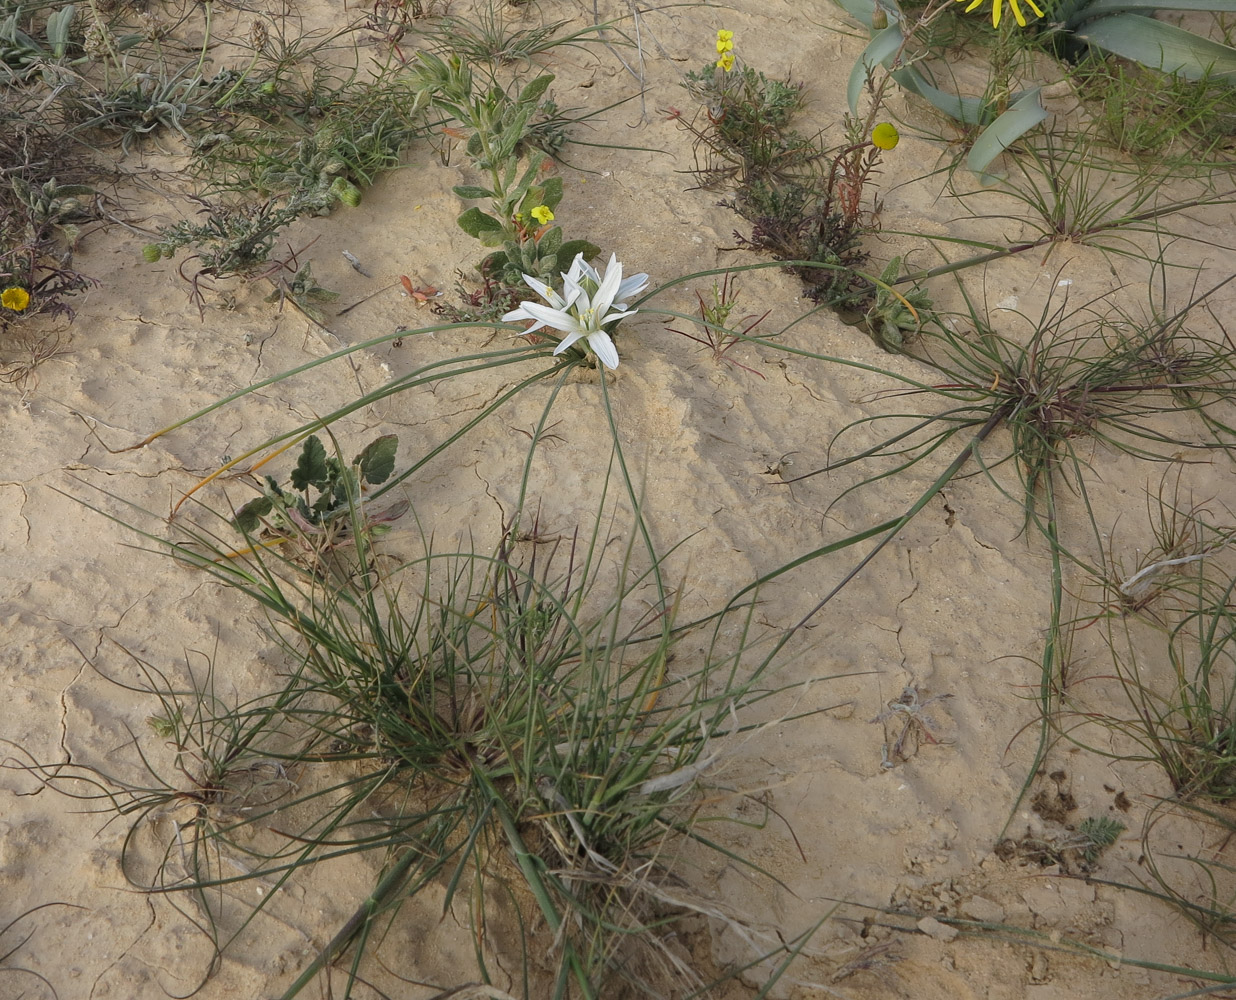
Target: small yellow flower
pixel 542 214
pixel 725 42
pixel 885 135
pixel 15 298
pixel 997 10
pixel 726 62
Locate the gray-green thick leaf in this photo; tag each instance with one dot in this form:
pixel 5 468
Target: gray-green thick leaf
pixel 551 242
pixel 882 48
pixel 1004 131
pixel 553 192
pixel 377 461
pixel 311 469
pixel 1105 8
pixel 968 110
pixel 58 30
pixel 472 191
pixel 1161 46
pixel 861 10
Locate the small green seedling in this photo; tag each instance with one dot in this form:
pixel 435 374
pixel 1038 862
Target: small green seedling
pixel 714 317
pixel 303 291
pixel 1100 833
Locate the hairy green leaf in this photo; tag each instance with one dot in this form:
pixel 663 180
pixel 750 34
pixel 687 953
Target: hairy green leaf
pixel 311 468
pixel 249 518
pixel 474 222
pixel 472 191
pixel 377 461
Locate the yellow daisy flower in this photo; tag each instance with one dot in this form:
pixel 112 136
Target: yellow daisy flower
pixel 997 9
pixel 15 298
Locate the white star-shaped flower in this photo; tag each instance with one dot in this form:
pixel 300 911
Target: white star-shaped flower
pixel 589 302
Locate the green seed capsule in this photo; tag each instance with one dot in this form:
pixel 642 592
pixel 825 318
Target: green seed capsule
pixel 152 253
pixel 346 192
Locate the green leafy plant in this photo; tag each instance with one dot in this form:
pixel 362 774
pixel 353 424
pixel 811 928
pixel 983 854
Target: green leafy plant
pixel 323 493
pixel 232 241
pixel 487 37
pixel 22 54
pixel 497 130
pixel 895 317
pixel 145 103
pixel 41 213
pixel 744 135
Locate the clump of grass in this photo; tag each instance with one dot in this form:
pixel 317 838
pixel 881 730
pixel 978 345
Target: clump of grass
pixel 1094 373
pixel 488 38
pixel 1175 609
pixel 1158 116
pixel 1073 193
pixel 516 721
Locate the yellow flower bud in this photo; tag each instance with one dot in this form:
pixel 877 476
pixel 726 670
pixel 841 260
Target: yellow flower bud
pixel 885 136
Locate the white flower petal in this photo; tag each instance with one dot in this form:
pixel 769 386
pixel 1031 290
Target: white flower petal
pixel 614 316
pixel 548 316
pixel 603 348
pixel 604 297
pixel 522 314
pixel 576 271
pixel 630 286
pixel 586 270
pixel 567 341
pixel 544 291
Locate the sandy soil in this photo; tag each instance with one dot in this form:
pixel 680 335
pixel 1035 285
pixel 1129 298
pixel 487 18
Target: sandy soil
pixel 956 607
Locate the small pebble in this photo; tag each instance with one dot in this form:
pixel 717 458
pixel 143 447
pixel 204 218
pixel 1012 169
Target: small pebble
pixel 933 928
